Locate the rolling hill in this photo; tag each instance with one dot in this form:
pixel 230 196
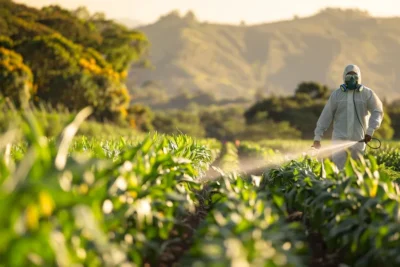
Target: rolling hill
pixel 239 60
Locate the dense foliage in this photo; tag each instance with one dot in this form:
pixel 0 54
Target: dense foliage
pixel 76 59
pixel 57 204
pixel 356 210
pixel 16 78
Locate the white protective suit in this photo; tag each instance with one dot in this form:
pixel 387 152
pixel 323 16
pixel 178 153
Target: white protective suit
pixel 346 126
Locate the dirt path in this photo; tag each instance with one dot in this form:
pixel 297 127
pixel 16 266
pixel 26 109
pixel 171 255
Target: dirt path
pixel 181 240
pixel 184 240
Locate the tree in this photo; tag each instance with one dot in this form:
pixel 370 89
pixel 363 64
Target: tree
pixel 49 56
pixel 77 30
pixel 70 75
pixel 301 111
pixel 395 115
pixel 385 131
pixel 16 80
pixel 313 89
pixel 269 130
pixel 6 42
pixel 176 121
pixel 260 94
pixel 82 13
pixel 76 59
pixel 140 117
pixel 121 47
pixel 223 124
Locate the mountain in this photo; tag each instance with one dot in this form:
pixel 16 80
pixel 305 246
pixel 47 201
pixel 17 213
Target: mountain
pixel 239 60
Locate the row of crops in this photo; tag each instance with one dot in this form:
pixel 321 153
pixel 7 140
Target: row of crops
pixel 152 201
pixel 95 202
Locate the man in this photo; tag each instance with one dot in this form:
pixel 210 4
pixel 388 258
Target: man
pixel 348 108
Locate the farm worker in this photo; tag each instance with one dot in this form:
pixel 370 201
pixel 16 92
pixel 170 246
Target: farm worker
pixel 356 112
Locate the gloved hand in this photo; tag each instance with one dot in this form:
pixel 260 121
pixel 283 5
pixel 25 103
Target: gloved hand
pixel 317 144
pixel 367 138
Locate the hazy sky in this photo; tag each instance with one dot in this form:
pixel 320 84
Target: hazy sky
pixel 231 11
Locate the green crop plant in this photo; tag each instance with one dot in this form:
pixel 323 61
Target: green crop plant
pixel 356 210
pixel 69 201
pixel 245 228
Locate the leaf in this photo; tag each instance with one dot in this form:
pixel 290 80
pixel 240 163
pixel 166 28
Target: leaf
pixel 344 227
pixel 362 213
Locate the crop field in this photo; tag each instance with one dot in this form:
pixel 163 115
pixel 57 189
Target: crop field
pixel 158 200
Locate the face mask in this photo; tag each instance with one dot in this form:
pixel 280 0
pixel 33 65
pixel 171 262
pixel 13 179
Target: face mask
pixel 351 81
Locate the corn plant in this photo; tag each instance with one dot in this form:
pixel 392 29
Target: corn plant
pixel 356 210
pixel 390 157
pixel 245 228
pixel 114 205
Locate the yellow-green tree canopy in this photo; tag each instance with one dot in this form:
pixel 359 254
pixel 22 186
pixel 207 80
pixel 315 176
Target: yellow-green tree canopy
pixel 76 59
pixel 16 80
pixel 68 74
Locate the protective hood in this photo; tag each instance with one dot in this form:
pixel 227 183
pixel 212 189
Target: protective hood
pixel 354 68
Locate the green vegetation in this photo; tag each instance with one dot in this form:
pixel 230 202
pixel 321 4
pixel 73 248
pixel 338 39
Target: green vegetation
pixel 67 58
pixel 16 78
pixel 92 176
pixel 355 210
pixel 149 199
pixel 57 202
pixel 245 227
pixel 53 121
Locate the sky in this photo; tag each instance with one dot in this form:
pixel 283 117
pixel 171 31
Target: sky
pixel 222 11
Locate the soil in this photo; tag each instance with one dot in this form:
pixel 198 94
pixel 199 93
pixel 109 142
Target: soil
pixel 174 251
pixel 320 255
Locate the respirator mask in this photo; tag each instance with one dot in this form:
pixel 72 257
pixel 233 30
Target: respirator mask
pixel 351 81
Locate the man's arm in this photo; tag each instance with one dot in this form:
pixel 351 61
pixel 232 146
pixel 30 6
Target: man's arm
pixel 326 117
pixel 375 107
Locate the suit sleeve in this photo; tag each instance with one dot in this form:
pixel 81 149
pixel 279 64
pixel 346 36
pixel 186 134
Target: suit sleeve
pixel 326 117
pixel 375 107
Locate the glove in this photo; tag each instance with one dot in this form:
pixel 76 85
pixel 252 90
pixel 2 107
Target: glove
pixel 367 138
pixel 317 144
